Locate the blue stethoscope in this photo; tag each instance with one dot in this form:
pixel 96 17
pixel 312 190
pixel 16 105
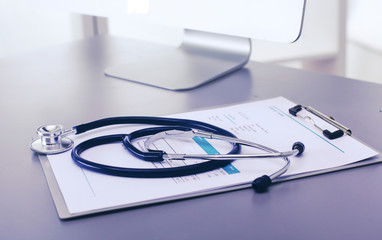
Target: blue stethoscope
pixel 53 139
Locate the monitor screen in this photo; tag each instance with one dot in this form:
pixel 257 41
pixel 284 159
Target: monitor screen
pixel 274 20
pixel 220 28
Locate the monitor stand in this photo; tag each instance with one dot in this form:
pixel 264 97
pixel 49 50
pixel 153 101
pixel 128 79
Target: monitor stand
pixel 202 57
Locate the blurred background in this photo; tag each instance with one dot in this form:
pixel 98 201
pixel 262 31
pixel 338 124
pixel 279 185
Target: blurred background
pixel 340 37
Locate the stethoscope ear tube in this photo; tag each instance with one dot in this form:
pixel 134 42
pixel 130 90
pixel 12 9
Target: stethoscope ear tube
pixel 152 155
pixel 261 184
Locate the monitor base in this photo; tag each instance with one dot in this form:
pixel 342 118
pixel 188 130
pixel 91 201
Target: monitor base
pixel 201 58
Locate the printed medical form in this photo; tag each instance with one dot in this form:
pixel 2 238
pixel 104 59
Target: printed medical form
pixel 266 122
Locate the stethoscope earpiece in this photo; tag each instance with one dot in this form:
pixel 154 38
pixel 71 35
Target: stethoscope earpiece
pixel 262 183
pixel 299 146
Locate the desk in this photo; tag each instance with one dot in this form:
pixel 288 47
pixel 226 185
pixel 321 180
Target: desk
pixel 66 85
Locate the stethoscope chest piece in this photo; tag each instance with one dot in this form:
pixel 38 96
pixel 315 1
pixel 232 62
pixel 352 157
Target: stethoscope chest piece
pixel 51 140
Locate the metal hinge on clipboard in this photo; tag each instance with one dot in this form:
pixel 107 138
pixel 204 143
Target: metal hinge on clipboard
pixel 295 111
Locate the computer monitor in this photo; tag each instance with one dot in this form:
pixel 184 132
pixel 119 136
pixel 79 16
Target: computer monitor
pixel 217 35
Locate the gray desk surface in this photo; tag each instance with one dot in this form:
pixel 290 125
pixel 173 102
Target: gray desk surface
pixel 66 85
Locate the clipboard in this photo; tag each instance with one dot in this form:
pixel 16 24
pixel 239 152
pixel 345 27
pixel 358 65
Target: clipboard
pixel 294 113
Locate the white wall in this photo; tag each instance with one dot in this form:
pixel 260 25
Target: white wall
pixel 24 27
pixel 364 48
pixel 365 23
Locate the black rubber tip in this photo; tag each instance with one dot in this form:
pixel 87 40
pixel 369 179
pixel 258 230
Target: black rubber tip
pixel 299 146
pixel 294 110
pixel 261 184
pixel 333 135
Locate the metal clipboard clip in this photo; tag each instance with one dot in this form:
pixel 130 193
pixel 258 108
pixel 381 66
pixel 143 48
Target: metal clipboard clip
pixel 295 111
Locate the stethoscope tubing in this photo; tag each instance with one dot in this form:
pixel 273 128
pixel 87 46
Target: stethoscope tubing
pixel 162 121
pixel 127 139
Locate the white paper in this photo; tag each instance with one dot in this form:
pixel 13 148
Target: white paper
pixel 266 122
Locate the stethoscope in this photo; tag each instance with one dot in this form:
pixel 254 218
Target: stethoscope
pixel 53 139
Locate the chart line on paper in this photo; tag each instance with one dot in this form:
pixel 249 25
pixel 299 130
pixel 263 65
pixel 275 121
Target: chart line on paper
pixel 87 180
pixel 230 118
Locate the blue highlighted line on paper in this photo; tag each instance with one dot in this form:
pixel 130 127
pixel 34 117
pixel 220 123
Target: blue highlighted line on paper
pixel 209 149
